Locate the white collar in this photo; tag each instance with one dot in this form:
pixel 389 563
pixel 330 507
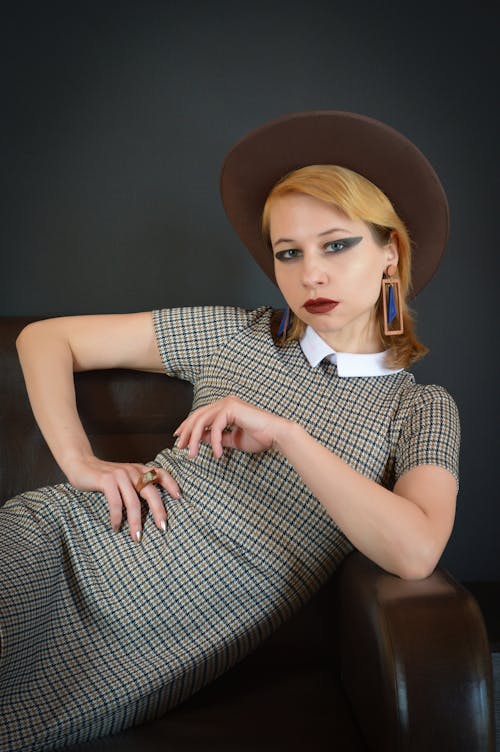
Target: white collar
pixel 348 364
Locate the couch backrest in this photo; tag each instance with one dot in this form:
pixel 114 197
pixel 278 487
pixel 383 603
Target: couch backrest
pixel 128 415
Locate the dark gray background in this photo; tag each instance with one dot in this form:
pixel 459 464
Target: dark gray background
pixel 116 117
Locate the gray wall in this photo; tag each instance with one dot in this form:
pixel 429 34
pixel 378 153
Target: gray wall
pixel 116 117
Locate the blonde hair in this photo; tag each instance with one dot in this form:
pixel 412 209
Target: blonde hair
pixel 359 199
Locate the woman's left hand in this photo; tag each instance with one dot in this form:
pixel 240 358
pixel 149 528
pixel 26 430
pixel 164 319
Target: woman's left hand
pixel 230 422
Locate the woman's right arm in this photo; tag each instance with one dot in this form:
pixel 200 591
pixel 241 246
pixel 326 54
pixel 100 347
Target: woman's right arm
pixel 50 351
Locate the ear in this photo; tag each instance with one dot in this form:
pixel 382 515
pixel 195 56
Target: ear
pixel 391 250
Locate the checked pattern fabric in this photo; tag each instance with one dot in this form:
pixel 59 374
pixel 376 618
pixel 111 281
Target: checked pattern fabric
pixel 98 633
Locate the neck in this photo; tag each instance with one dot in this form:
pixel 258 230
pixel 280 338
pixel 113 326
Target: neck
pixel 359 337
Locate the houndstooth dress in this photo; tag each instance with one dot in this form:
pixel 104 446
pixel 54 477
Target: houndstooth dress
pixel 98 633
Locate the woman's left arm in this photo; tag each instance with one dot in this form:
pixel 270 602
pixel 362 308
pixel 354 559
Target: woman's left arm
pixel 404 530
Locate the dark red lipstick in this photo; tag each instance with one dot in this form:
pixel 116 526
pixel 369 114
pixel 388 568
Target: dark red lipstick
pixel 320 305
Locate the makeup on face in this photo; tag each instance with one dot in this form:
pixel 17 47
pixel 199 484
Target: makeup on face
pixel 332 246
pixel 320 305
pixel 329 269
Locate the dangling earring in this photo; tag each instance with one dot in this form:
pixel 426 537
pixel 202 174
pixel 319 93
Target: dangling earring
pixel 284 323
pixel 392 303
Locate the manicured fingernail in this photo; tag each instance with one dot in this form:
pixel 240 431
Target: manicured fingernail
pixel 163 525
pixel 138 536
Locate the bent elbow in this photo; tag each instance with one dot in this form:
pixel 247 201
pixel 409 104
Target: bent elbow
pixel 24 336
pixel 418 567
pixel 34 333
pixel 416 573
pixel 31 331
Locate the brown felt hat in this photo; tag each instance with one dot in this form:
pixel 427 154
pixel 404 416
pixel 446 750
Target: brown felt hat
pixel 366 146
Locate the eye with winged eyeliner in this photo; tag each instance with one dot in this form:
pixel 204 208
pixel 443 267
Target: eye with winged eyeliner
pixel 288 254
pixel 333 246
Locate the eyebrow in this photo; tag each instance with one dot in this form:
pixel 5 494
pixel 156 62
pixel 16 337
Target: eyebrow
pixel 320 235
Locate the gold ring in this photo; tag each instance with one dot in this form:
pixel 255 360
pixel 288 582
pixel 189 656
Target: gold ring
pixel 150 476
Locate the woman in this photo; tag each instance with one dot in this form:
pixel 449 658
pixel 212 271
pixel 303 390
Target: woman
pixel 305 440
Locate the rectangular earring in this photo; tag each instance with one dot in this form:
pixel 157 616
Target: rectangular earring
pixel 392 304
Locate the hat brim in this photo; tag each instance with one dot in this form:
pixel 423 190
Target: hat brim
pixel 362 144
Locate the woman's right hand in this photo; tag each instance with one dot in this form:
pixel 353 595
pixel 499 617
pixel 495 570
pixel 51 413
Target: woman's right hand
pixel 117 481
pixel 50 351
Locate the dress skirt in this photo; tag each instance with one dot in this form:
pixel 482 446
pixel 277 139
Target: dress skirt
pixel 99 633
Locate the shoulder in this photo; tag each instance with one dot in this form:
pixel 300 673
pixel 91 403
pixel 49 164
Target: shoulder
pixel 187 337
pixel 230 319
pixel 425 409
pixel 428 430
pixel 429 398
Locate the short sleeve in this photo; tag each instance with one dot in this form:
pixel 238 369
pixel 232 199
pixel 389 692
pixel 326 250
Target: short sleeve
pixel 186 337
pixel 431 433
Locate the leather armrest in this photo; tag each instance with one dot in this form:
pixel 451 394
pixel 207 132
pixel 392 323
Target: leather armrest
pixel 415 660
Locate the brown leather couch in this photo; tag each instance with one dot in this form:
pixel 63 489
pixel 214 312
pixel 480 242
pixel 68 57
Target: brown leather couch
pixel 371 663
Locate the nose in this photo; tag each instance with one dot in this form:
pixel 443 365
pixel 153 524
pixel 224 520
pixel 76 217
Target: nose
pixel 313 271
